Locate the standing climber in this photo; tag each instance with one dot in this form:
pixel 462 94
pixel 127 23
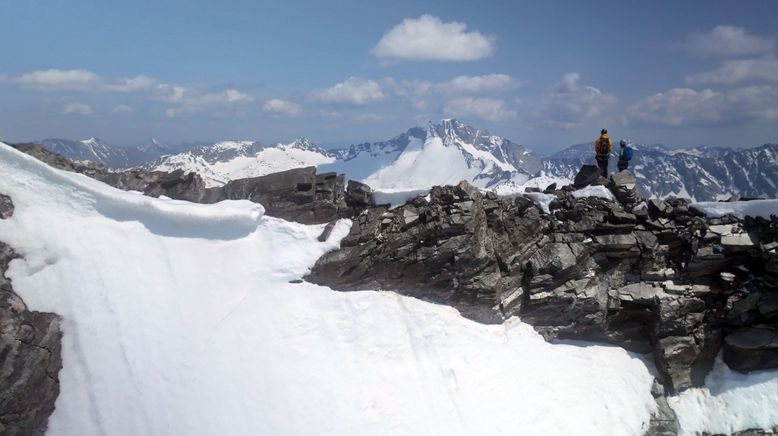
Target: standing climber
pixel 625 155
pixel 602 146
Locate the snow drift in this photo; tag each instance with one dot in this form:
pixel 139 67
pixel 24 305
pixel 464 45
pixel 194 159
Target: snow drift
pixel 187 319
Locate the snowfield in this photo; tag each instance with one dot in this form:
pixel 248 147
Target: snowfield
pixel 754 208
pixel 180 319
pixel 728 403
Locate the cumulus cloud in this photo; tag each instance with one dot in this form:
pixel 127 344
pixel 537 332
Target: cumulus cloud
pixel 429 38
pixel 686 106
pixel 77 108
pixel 478 84
pixel 727 41
pixel 420 92
pixel 123 108
pixel 738 71
pixel 183 99
pixel 490 109
pixel 282 107
pixel 80 80
pixel 188 100
pixel 354 92
pixel 567 103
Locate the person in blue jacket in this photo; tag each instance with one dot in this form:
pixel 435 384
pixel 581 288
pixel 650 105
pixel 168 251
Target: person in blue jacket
pixel 625 155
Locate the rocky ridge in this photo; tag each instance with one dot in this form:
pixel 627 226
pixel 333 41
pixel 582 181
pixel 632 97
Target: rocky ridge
pixel 299 194
pixel 655 277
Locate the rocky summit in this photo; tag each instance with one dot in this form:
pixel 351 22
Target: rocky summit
pixel 651 276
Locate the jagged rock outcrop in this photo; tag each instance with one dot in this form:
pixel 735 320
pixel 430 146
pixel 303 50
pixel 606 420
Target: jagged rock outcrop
pixel 6 207
pixel 654 277
pixel 298 194
pixel 30 357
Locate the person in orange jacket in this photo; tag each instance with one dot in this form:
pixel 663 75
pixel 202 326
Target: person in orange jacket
pixel 602 147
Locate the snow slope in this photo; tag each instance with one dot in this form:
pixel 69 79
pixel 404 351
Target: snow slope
pixel 180 318
pixel 423 165
pixel 451 152
pixel 741 209
pixel 729 402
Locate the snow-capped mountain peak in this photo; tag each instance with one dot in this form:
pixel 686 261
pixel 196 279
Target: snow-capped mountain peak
pixel 451 152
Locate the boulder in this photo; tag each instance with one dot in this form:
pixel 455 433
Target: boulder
pixel 658 208
pixel 675 356
pixel 752 349
pixel 624 187
pixel 587 175
pixel 359 195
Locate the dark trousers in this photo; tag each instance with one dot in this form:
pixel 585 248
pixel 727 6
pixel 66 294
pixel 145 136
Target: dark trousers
pixel 602 162
pixel 623 164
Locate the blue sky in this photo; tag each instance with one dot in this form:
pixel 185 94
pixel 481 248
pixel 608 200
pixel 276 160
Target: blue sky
pixel 546 74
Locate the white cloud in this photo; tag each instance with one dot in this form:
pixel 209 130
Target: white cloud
pixel 183 99
pixel 354 91
pixel 282 107
pixel 77 108
pixel 72 80
pixel 123 108
pixel 420 92
pixel 567 104
pixel 80 80
pixel 727 41
pixel 739 71
pixel 134 84
pixel 490 109
pixel 685 106
pixel 190 100
pixel 478 84
pixel 429 38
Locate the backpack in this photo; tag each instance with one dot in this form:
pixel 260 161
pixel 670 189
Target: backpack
pixel 627 154
pixel 602 147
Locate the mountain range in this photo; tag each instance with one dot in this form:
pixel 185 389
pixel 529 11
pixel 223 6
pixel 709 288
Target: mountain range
pixel 446 153
pixel 113 156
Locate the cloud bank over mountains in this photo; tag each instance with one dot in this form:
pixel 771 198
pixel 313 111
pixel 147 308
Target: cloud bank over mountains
pixel 735 83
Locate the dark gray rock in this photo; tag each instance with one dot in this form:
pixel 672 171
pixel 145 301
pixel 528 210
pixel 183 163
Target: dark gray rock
pixel 752 349
pixel 298 195
pixel 663 421
pixel 624 187
pixel 30 360
pixel 675 356
pixel 587 175
pixel 6 207
pixel 359 195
